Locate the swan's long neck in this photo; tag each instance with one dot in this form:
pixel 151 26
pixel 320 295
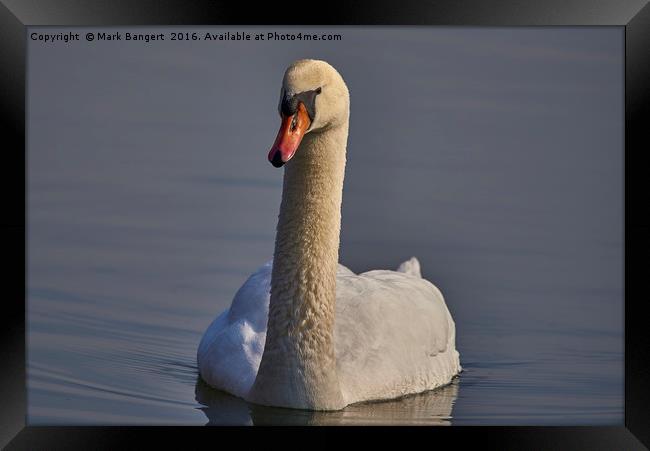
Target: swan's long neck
pixel 298 367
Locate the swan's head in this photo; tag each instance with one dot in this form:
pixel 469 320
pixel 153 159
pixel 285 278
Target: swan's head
pixel 313 98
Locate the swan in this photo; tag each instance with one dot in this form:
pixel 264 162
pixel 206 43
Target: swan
pixel 304 331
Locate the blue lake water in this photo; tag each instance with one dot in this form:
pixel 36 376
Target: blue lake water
pixel 493 155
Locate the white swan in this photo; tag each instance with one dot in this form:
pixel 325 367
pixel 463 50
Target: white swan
pixel 304 331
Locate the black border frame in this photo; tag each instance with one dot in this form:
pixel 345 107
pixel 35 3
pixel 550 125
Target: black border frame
pixel 634 15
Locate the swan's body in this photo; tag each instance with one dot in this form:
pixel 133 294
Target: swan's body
pixel 304 331
pixel 393 336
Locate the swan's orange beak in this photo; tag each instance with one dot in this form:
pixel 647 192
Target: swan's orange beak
pixel 292 130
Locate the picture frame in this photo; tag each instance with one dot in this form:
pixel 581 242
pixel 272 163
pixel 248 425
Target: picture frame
pixel 16 17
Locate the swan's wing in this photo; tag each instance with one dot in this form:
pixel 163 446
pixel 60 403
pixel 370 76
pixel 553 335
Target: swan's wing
pixel 394 336
pixel 231 348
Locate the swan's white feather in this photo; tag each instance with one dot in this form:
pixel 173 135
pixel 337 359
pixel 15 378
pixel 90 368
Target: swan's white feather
pixel 393 335
pixel 410 266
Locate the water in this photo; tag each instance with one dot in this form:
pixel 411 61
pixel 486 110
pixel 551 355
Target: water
pixel 493 155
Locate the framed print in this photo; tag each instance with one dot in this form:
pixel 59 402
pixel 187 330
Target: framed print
pixel 404 215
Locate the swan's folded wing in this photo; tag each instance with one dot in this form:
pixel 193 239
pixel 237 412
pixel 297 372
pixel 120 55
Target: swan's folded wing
pixel 394 336
pixel 231 348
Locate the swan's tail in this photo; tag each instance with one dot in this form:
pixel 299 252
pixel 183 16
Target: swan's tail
pixel 410 266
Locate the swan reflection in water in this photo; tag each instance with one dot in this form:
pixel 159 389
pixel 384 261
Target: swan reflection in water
pixel 432 408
